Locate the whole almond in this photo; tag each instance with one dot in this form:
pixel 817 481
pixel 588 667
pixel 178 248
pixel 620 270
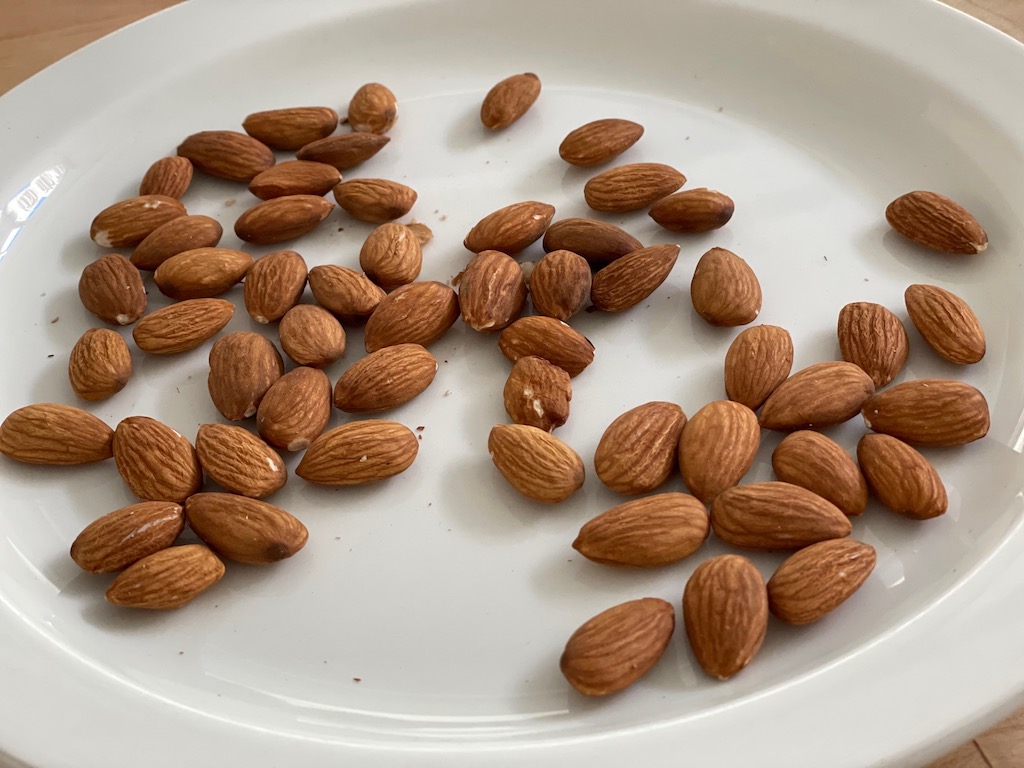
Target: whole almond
pixel 202 273
pixel 391 255
pixel 596 241
pixel 560 284
pixel 946 322
pixel 385 379
pixel 631 187
pixel 155 462
pixel 759 359
pixel 639 449
pixel 111 288
pixel 100 364
pixel 245 530
pixel 295 410
pixel 184 233
pixel 873 338
pixel 273 285
pixel 535 463
pixel 694 210
pixel 239 461
pixel 343 292
pixel 182 326
pixel 508 101
pixel 291 128
pixel 510 229
pixel 717 447
pixel 373 109
pixel 227 154
pixel 417 313
pixel 617 647
pixel 819 396
pixel 166 579
pixel 537 393
pixel 243 366
pixel 129 222
pixel 775 515
pixel 901 478
pixel 358 453
pixel 168 176
pixel 310 335
pixel 492 291
pixel 629 280
pixel 725 611
pixel 818 579
pixel 929 412
pixel 936 222
pixel 53 433
pixel 126 535
pixel 282 218
pixel 599 141
pixel 375 200
pixel 646 533
pixel 724 289
pixel 819 464
pixel 295 177
pixel 345 150
pixel 549 339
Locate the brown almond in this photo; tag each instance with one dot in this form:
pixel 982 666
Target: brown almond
pixel 599 141
pixel 929 412
pixel 155 462
pixel 946 322
pixel 182 326
pixel 717 447
pixel 54 433
pixel 596 241
pixel 227 154
pixel 111 288
pixel 385 379
pixel 245 530
pixel 417 313
pixel 129 222
pixel 508 101
pixel 291 128
pixel 936 222
pixel 184 233
pixel 537 393
pixel 819 464
pixel 358 453
pixel 273 285
pixel 549 339
pixel 535 463
pixel 901 478
pixel 345 150
pixel 343 292
pixel 239 461
pixel 202 273
pixel 310 335
pixel 818 579
pixel 168 176
pixel 725 290
pixel 639 450
pixel 759 359
pixel 510 229
pixel 391 255
pixel 631 187
pixel 282 218
pixel 375 200
pixel 295 177
pixel 373 109
pixel 166 579
pixel 295 410
pixel 492 291
pixel 819 396
pixel 775 515
pixel 243 366
pixel 560 284
pixel 629 280
pixel 694 210
pixel 126 535
pixel 100 364
pixel 423 233
pixel 873 338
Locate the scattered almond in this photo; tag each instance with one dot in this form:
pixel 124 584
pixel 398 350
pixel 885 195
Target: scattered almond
pixel 128 534
pixel 819 396
pixel 310 335
pixel 929 412
pixel 535 463
pixel 291 128
pixel 639 450
pixel 167 579
pixel 245 530
pixel 343 292
pixel 560 284
pixel 358 453
pixel 537 393
pixel 417 313
pixel 759 359
pixel 375 200
pixel 946 322
pixel 273 285
pixel 596 241
pixel 243 366
pixel 295 410
pixel 239 461
pixel 202 273
pixel 184 233
pixel 901 478
pixel 599 141
pixel 775 515
pixel 168 176
pixel 391 255
pixel 632 278
pixel 508 101
pixel 694 210
pixel 129 222
pixel 492 291
pixel 873 338
pixel 53 433
pixel 549 339
pixel 295 177
pixel 819 464
pixel 510 229
pixel 345 150
pixel 182 326
pixel 100 364
pixel 631 187
pixel 155 462
pixel 373 109
pixel 227 154
pixel 725 290
pixel 818 579
pixel 282 218
pixel 111 288
pixel 717 447
pixel 385 379
pixel 936 222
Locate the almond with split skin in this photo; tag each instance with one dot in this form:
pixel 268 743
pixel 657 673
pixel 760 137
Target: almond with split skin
pixel 359 453
pixel 549 339
pixel 492 291
pixel 227 154
pixel 509 100
pixel 537 393
pixel 155 462
pixel 717 447
pixel 596 241
pixel 775 515
pixel 599 141
pixel 818 579
pixel 310 335
pixel 535 463
pixel 639 450
pixel 373 109
pixel 349 295
pixel 929 412
pixel 184 233
pixel 291 128
pixel 724 289
pixel 821 395
pixel 111 288
pixel 202 273
pixel 631 187
pixel 629 280
pixel 54 433
pixel 936 222
pixel 282 218
pixel 385 379
pixel 239 461
pixel 243 366
pixel 243 529
pixel 759 359
pixel 295 177
pixel 166 579
pixel 126 535
pixel 417 313
pixel 901 478
pixel 560 284
pixel 391 255
pixel 946 322
pixel 100 364
pixel 375 200
pixel 617 647
pixel 819 464
pixel 510 229
pixel 168 176
pixel 694 210
pixel 873 338
pixel 129 222
pixel 182 326
pixel 345 150
pixel 273 285
pixel 295 410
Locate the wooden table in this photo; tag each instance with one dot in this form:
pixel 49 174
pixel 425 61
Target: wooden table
pixel 35 34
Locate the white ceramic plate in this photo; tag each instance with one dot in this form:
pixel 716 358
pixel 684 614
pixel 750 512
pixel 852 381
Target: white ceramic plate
pixel 423 622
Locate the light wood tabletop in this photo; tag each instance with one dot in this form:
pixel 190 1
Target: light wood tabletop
pixel 36 34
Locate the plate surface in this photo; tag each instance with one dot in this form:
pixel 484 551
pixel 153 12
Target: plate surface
pixel 424 619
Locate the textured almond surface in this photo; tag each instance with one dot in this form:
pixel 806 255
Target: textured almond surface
pixel 182 326
pixel 901 478
pixel 296 408
pixel 291 128
pixel 492 291
pixel 183 233
pixel 638 451
pixel 129 222
pixel 350 295
pixel 54 433
pixel 819 464
pixel 111 288
pixel 596 241
pixel 693 210
pixel 227 154
pixel 631 187
pixel 935 221
pixel 724 289
pixel 239 461
pixel 929 412
pixel 373 108
pixel 509 100
pixel 155 462
pixel 818 579
pixel 100 364
pixel 168 176
pixel 202 273
pixel 345 150
pixel 775 515
pixel 537 393
pixel 310 335
pixel 295 177
pixel 358 453
pixel 375 200
pixel 629 280
pixel 560 284
pixel 273 285
pixel 818 396
pixel 282 218
pixel 385 379
pixel 391 255
pixel 550 339
pixel 126 535
pixel 535 463
pixel 874 339
pixel 758 360
pixel 717 447
pixel 418 313
pixel 599 141
pixel 946 322
pixel 243 365
pixel 244 530
pixel 510 229
pixel 167 579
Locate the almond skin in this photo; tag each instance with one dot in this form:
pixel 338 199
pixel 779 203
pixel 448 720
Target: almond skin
pixel 537 393
pixel 629 280
pixel 946 322
pixel 813 461
pixel 239 461
pixel 358 453
pixel 873 338
pixel 345 150
pixel 53 433
pixel 418 313
pixel 227 154
pixel 717 447
pixel 243 366
pixel 901 478
pixel 646 533
pixel 122 537
pixel 168 176
pixel 155 462
pixel 775 515
pixel 724 289
pixel 509 100
pixel 273 285
pixel 245 530
pixel 492 291
pixel 100 364
pixel 596 241
pixel 202 273
pixel 385 379
pixel 936 222
pixel 184 233
pixel 295 177
pixel 182 326
pixel 295 410
pixel 129 222
pixel 310 335
pixel 423 233
pixel 759 359
pixel 929 412
pixel 599 141
pixel 818 579
pixel 560 284
pixel 391 255
pixel 819 396
pixel 291 128
pixel 639 450
pixel 343 292
pixel 631 187
pixel 375 200
pixel 617 647
pixel 282 218
pixel 725 611
pixel 693 211
pixel 111 288
pixel 373 109
pixel 510 229
pixel 535 463
pixel 549 339
pixel 166 579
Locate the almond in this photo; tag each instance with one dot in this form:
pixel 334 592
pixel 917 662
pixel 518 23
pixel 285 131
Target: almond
pixel 295 410
pixel 725 611
pixel 537 393
pixel 245 530
pixel 295 177
pixel 946 322
pixel 929 412
pixel 724 289
pixel 596 241
pixel 391 255
pixel 492 291
pixel 116 540
pixel 227 154
pixel 282 218
pixel 273 285
pixel 549 339
pixel 111 288
pixel 417 313
pixel 599 141
pixel 155 462
pixel 373 108
pixel 184 233
pixel 350 295
pixel 813 461
pixel 168 176
pixel 345 150
pixel 375 200
pixel 632 278
pixel 509 100
pixel 167 579
pixel 310 335
pixel 646 533
pixel 717 447
pixel 560 284
pixel 901 478
pixel 243 366
pixel 510 229
pixel 128 222
pixel 617 647
pixel 695 210
pixel 873 338
pixel 818 579
pixel 291 128
pixel 385 379
pixel 358 453
pixel 53 433
pixel 639 450
pixel 535 463
pixel 239 461
pixel 819 396
pixel 182 326
pixel 775 515
pixel 202 273
pixel 631 187
pixel 936 222
pixel 758 360
pixel 422 231
pixel 100 364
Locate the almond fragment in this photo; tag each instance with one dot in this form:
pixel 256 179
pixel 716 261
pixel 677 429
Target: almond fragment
pixel 127 223
pixel 946 322
pixel 391 255
pixel 343 292
pixel 184 233
pixel 560 284
pixel 535 463
pixel 295 410
pixel 423 233
pixel 167 579
pixel 375 200
pixel 373 108
pixel 537 393
pixel 128 534
pixel 549 339
pixel 111 288
pixel 819 396
pixel 239 461
pixel 273 285
pixel 509 100
pixel 694 210
pixel 168 176
pixel 929 412
pixel 345 150
pixel 630 279
pixel 385 379
pixel 202 273
pixel 100 364
pixel 599 141
pixel 631 187
pixel 724 289
pixel 818 579
pixel 596 241
pixel 639 449
pixel 813 461
pixel 182 326
pixel 243 366
pixel 295 177
pixel 936 222
pixel 245 530
pixel 717 447
pixel 282 218
pixel 417 313
pixel 227 154
pixel 510 229
pixel 310 335
pixel 759 359
pixel 155 462
pixel 53 433
pixel 358 453
pixel 291 128
pixel 901 478
pixel 492 291
pixel 873 338
pixel 775 515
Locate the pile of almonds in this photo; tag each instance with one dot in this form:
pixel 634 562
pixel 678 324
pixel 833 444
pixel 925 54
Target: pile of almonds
pixel 589 265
